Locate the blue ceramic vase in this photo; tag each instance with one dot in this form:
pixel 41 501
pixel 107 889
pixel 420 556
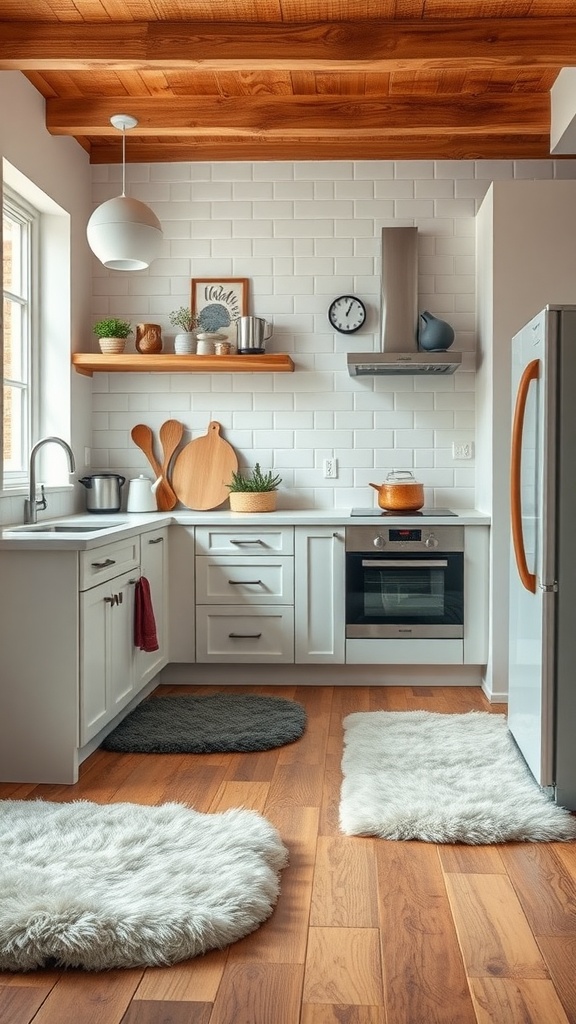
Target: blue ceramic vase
pixel 434 335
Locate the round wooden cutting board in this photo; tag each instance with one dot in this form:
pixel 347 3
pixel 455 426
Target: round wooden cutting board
pixel 202 470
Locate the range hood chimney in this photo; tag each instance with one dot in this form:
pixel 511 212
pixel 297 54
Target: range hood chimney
pixel 399 352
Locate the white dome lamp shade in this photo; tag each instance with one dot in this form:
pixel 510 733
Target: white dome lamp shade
pixel 123 233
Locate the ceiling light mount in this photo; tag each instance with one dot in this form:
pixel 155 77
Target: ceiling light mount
pixel 124 233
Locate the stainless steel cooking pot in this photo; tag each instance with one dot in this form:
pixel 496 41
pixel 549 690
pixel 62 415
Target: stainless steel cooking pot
pixel 103 492
pixel 400 492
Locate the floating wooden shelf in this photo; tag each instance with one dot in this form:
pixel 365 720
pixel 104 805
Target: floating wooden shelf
pixel 132 362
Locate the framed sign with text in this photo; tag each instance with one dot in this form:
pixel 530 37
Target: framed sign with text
pixel 218 302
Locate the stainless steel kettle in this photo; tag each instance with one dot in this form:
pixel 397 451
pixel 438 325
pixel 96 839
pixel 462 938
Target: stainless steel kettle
pixel 252 333
pixel 103 492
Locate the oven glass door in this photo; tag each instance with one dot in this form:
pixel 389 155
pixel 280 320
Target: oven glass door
pixel 423 593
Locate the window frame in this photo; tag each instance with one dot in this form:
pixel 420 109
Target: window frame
pixel 28 216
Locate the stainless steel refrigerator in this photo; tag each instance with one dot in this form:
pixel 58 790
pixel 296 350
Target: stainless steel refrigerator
pixel 542 643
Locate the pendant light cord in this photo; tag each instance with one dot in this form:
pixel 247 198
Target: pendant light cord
pixel 123 160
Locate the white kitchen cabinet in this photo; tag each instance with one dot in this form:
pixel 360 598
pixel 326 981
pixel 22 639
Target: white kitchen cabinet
pixel 69 666
pixel 154 567
pixel 245 635
pixel 245 594
pixel 107 653
pixel 319 595
pixel 181 595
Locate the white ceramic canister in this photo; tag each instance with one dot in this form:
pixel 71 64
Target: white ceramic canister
pixel 141 496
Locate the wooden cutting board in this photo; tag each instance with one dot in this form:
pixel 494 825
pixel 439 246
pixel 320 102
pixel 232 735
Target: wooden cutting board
pixel 202 469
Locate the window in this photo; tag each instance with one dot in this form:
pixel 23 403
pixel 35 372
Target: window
pixel 20 223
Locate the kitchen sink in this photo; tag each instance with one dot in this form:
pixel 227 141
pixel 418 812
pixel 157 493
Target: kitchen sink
pixel 57 528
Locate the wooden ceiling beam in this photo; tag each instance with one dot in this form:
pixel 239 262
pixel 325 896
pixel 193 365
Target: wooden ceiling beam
pixel 301 116
pixel 386 147
pixel 373 45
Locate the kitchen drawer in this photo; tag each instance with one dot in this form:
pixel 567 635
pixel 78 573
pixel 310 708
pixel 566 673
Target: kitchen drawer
pixel 248 580
pixel 240 635
pixel 100 564
pixel 261 540
pixel 404 652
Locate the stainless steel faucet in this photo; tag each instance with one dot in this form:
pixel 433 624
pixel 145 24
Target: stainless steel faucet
pixel 32 504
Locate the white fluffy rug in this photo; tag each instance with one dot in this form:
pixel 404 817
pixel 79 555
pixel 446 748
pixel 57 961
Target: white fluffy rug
pixel 123 885
pixel 442 779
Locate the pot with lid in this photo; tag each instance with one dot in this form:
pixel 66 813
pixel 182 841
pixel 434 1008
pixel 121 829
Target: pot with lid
pixel 103 492
pixel 400 492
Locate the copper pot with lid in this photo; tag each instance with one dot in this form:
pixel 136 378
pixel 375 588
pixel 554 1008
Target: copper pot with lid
pixel 400 492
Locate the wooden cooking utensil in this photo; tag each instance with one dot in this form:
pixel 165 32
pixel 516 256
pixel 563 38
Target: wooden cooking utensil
pixel 203 468
pixel 142 436
pixel 170 436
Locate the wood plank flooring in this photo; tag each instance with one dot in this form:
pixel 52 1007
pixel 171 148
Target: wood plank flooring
pixel 365 931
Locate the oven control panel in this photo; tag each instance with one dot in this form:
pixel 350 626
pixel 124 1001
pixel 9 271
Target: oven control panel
pixel 404 538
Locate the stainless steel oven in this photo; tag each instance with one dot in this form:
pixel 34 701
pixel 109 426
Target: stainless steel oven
pixel 405 582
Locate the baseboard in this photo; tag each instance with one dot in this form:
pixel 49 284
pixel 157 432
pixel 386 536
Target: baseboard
pixel 182 674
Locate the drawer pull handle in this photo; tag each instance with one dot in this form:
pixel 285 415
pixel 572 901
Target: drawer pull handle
pixel 244 636
pixel 104 564
pixel 240 542
pixel 245 583
pixel 156 540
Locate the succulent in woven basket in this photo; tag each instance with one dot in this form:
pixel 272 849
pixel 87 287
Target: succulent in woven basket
pixel 254 481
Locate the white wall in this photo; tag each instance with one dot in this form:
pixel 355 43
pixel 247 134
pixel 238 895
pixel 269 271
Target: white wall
pixel 58 168
pixel 304 233
pixel 526 259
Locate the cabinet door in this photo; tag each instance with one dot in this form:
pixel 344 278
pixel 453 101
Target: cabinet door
pixel 154 566
pixel 319 595
pixel 106 653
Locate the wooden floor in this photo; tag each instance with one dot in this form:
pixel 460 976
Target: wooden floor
pixel 365 931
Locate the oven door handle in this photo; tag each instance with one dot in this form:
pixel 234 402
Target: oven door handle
pixel 404 563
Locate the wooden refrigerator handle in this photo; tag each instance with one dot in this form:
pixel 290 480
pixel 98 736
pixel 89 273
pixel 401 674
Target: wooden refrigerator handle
pixel 531 372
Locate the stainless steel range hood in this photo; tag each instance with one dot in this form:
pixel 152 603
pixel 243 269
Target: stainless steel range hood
pixel 399 352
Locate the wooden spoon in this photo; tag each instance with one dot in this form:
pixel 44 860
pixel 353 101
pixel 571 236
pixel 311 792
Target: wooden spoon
pixel 170 436
pixel 142 436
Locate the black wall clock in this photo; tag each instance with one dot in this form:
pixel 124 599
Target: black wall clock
pixel 347 314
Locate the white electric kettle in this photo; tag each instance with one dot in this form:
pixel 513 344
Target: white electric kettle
pixel 142 495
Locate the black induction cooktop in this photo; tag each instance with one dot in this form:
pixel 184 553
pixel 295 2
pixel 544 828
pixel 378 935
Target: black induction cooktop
pixel 380 512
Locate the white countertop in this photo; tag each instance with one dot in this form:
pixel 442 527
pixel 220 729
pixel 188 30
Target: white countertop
pixel 114 526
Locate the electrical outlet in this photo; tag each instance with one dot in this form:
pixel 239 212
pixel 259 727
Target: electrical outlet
pixel 330 469
pixel 87 456
pixel 462 450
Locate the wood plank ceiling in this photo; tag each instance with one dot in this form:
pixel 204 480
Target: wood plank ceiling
pixel 295 79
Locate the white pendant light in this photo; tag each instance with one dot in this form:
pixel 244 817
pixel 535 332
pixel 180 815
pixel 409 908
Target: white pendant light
pixel 124 233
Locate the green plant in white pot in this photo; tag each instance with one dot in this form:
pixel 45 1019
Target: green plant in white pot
pixel 253 492
pixel 112 334
pixel 187 321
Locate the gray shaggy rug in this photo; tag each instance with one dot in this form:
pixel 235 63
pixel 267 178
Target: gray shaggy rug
pixel 123 885
pixel 202 725
pixel 442 779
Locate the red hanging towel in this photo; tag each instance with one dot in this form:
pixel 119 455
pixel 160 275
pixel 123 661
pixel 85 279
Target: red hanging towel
pixel 145 636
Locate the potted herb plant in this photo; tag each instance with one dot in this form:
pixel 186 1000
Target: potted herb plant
pixel 253 492
pixel 187 321
pixel 112 334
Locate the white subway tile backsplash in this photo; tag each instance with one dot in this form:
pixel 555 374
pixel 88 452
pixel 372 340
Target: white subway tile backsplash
pixel 303 233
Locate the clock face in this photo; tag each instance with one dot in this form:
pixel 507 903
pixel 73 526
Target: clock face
pixel 347 314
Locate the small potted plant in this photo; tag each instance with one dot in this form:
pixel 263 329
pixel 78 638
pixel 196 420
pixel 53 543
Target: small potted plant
pixel 187 321
pixel 112 334
pixel 253 492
